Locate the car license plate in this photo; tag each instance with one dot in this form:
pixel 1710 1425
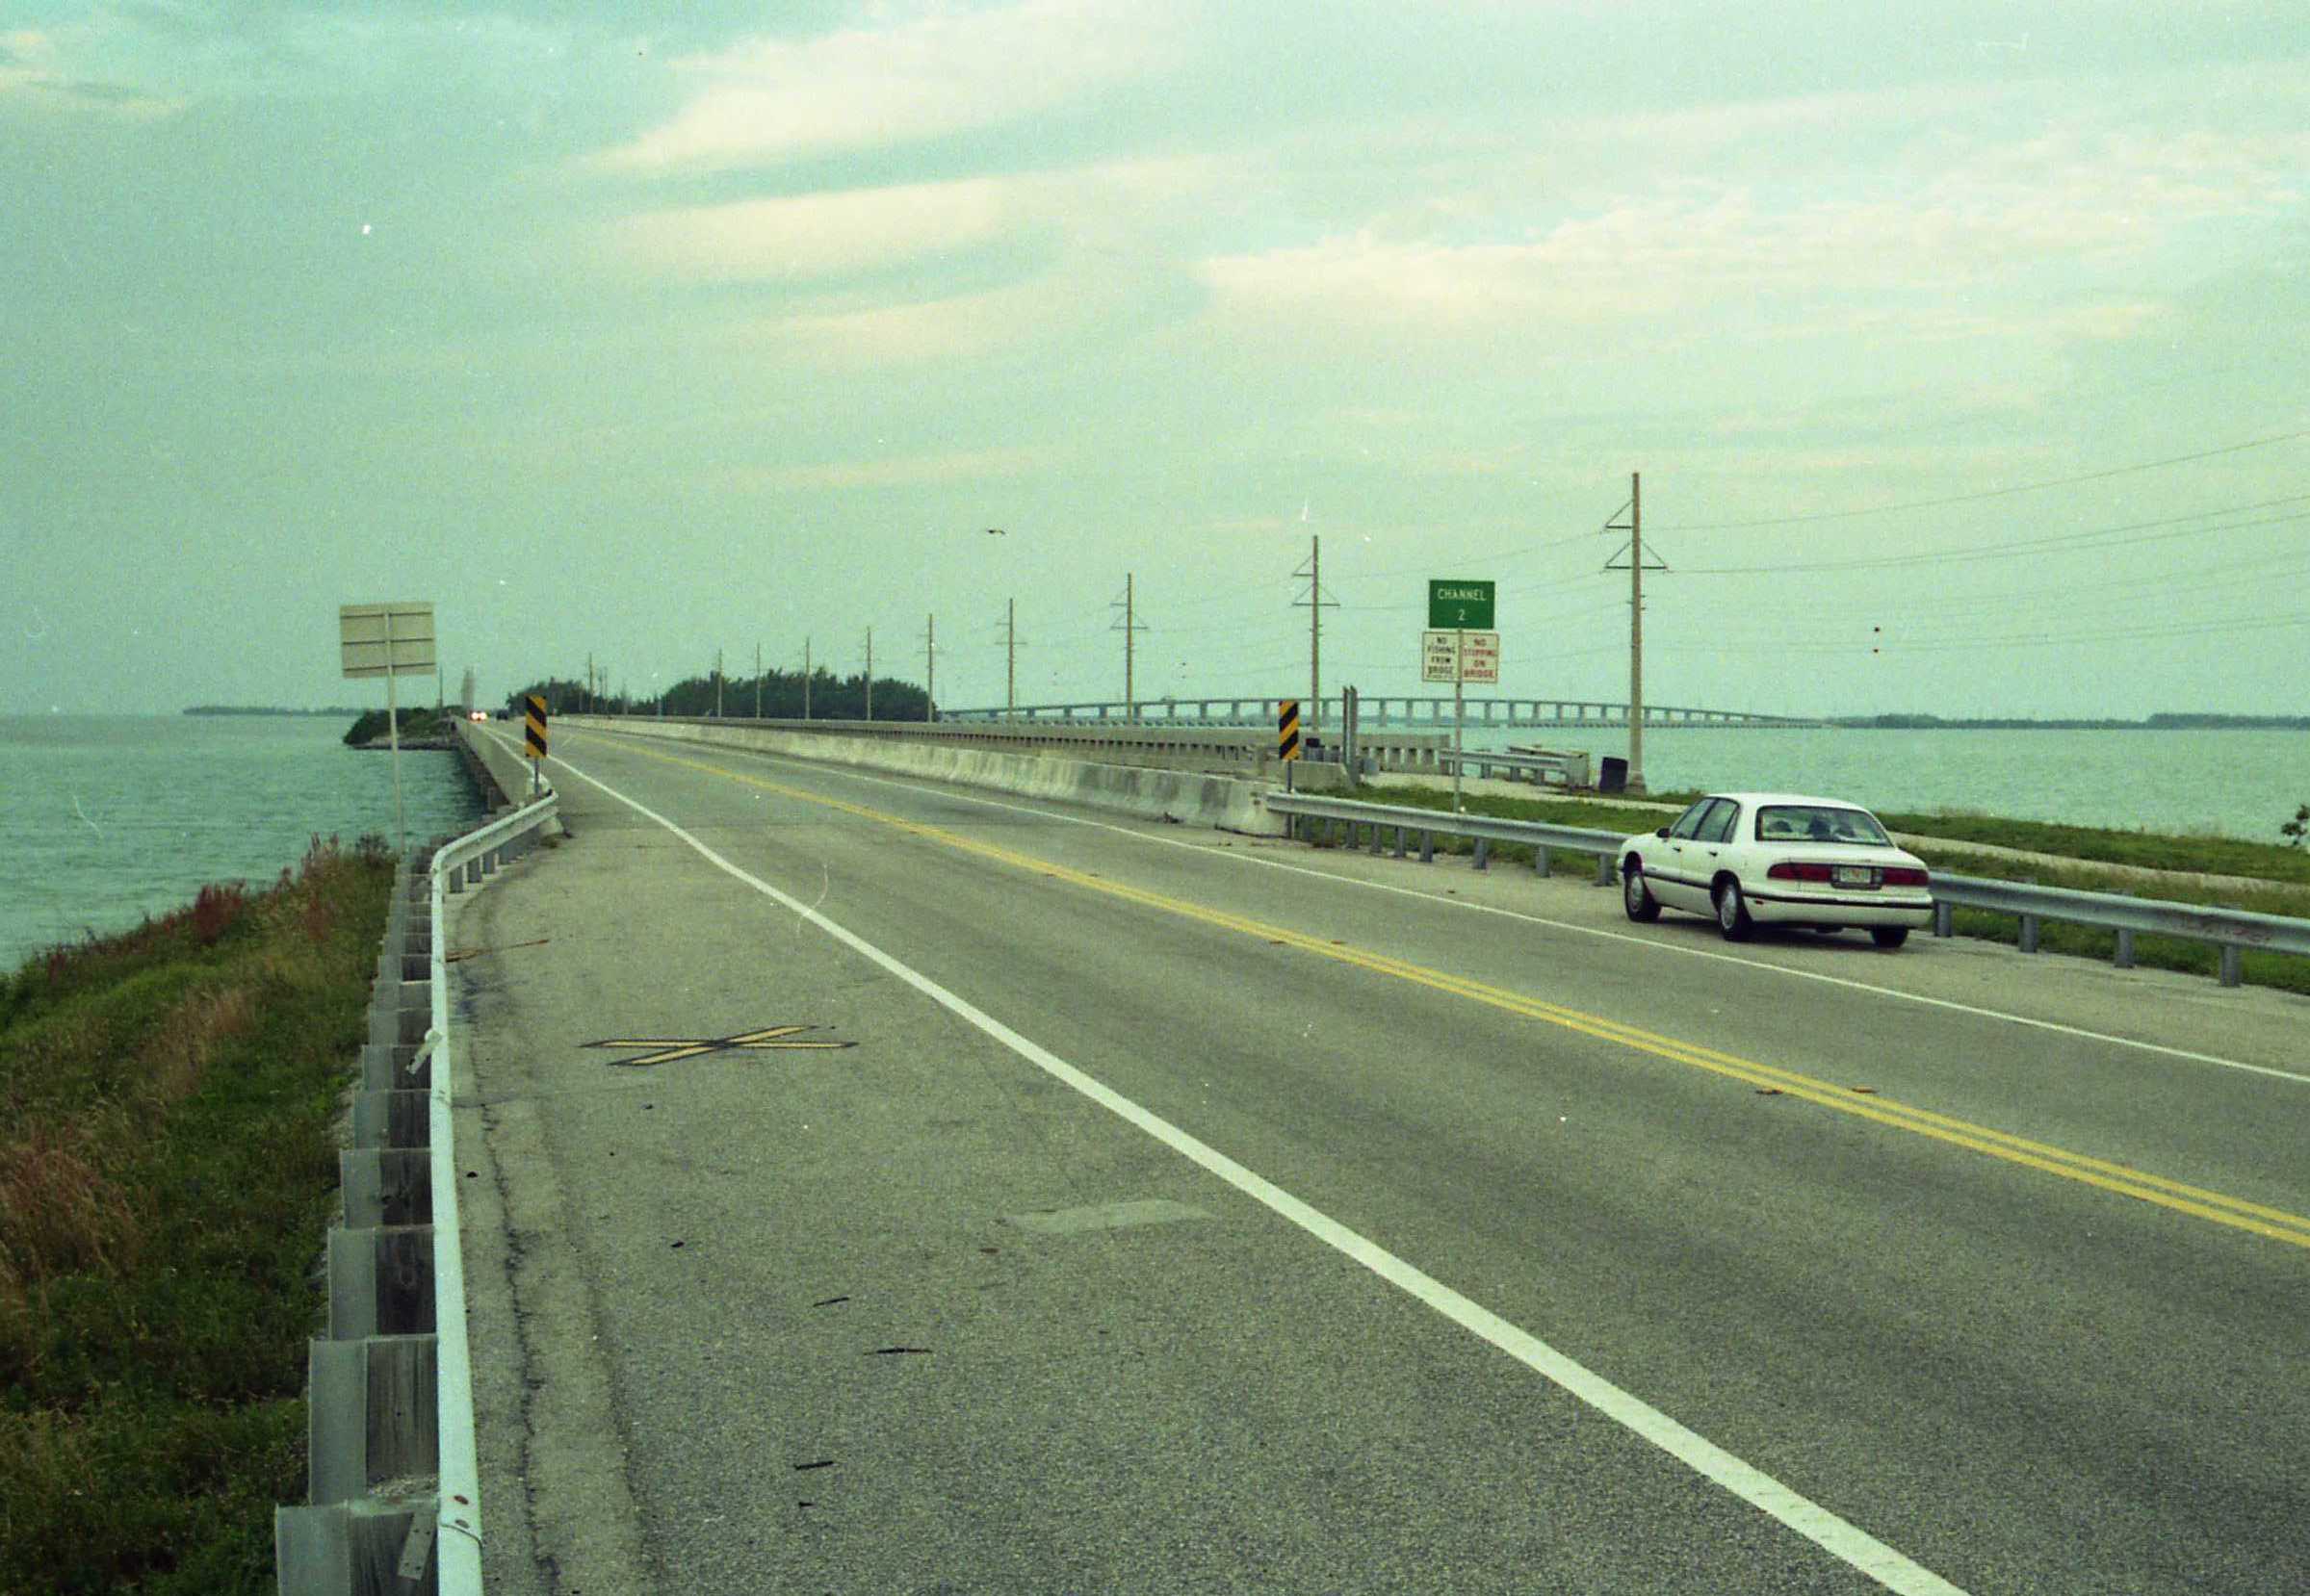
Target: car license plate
pixel 1854 875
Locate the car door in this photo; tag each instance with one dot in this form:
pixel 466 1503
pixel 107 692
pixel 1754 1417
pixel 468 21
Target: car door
pixel 1669 872
pixel 1713 847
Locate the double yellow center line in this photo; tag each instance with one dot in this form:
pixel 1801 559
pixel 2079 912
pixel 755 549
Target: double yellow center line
pixel 2275 1223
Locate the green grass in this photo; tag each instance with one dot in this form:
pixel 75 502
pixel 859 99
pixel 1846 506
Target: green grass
pixel 2093 862
pixel 2139 850
pixel 167 1168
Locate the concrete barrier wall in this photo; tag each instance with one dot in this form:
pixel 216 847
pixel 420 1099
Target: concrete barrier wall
pixel 1189 797
pixel 507 772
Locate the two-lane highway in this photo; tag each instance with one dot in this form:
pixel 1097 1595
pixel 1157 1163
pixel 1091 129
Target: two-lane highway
pixel 1190 1212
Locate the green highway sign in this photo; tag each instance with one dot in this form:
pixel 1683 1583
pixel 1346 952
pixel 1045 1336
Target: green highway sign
pixel 1454 604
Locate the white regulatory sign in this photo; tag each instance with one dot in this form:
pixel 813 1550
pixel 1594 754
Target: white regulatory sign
pixel 1440 658
pixel 395 639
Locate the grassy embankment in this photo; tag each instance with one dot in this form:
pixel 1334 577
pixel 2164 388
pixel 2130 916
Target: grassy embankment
pixel 2093 860
pixel 167 1169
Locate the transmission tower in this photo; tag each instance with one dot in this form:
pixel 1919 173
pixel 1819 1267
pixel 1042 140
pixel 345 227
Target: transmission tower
pixel 1128 624
pixel 1636 568
pixel 1315 601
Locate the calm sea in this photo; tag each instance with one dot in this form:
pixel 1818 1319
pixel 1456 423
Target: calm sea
pixel 2232 784
pixel 106 820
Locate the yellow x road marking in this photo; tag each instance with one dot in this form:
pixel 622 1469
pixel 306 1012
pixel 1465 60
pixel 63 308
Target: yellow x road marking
pixel 670 1049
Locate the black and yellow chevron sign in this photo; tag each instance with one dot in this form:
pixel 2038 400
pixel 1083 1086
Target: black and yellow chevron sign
pixel 533 744
pixel 1286 730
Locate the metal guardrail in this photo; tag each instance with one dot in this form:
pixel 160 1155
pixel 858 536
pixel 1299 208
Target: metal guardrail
pixel 1563 769
pixel 392 1480
pixel 459 865
pixel 1408 821
pixel 2231 930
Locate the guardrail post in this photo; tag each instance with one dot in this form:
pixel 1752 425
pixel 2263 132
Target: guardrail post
pixel 2124 957
pixel 1375 837
pixel 1427 847
pixel 1543 863
pixel 2029 933
pixel 1482 852
pixel 2233 963
pixel 1399 841
pixel 1604 873
pixel 1942 915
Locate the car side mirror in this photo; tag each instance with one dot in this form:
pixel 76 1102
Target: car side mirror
pixel 1662 834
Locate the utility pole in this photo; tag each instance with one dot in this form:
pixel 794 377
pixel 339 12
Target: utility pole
pixel 930 668
pixel 1129 624
pixel 1316 603
pixel 757 680
pixel 805 678
pixel 869 673
pixel 717 683
pixel 1634 526
pixel 1010 660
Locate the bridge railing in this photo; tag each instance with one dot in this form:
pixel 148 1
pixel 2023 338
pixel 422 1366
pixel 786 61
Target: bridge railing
pixel 1375 709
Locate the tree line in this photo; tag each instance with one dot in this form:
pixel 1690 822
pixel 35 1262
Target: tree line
pixel 831 697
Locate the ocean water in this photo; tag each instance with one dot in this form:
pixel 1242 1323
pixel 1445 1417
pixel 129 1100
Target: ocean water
pixel 2223 783
pixel 106 820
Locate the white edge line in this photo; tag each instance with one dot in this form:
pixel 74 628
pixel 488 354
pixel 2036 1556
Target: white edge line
pixel 1846 1542
pixel 1846 982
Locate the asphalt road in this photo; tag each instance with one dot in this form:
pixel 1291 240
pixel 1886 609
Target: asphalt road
pixel 1185 1212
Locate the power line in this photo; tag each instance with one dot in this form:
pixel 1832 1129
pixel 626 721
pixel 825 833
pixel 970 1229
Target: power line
pixel 2101 635
pixel 2022 546
pixel 1986 493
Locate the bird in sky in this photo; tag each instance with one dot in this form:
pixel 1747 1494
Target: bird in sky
pixel 997 531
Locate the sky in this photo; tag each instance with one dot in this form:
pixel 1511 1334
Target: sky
pixel 1959 348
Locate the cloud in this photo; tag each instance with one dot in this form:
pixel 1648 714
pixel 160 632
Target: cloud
pixel 35 74
pixel 816 235
pixel 975 465
pixel 844 333
pixel 2086 206
pixel 771 100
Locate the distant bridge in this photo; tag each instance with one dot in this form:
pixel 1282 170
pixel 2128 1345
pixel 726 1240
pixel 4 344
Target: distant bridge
pixel 1375 709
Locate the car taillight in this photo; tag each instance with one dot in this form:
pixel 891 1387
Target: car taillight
pixel 1901 875
pixel 1789 869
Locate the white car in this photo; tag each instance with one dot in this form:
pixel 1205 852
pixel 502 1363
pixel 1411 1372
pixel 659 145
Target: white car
pixel 1779 857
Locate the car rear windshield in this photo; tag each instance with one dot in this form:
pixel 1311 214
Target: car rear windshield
pixel 1819 823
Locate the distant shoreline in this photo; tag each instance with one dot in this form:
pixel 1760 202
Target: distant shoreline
pixel 265 710
pixel 2155 723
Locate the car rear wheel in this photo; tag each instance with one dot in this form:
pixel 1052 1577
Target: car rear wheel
pixel 1635 896
pixel 1890 935
pixel 1733 913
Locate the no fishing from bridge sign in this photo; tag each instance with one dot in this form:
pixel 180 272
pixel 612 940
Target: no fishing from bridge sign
pixel 1459 656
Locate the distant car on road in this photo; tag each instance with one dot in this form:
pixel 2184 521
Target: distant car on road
pixel 1780 859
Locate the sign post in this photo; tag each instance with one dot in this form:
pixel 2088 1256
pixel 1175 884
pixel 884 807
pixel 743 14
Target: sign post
pixel 1287 736
pixel 388 641
pixel 1460 603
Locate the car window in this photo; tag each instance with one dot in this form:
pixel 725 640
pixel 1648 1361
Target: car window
pixel 1718 827
pixel 1832 824
pixel 1689 822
